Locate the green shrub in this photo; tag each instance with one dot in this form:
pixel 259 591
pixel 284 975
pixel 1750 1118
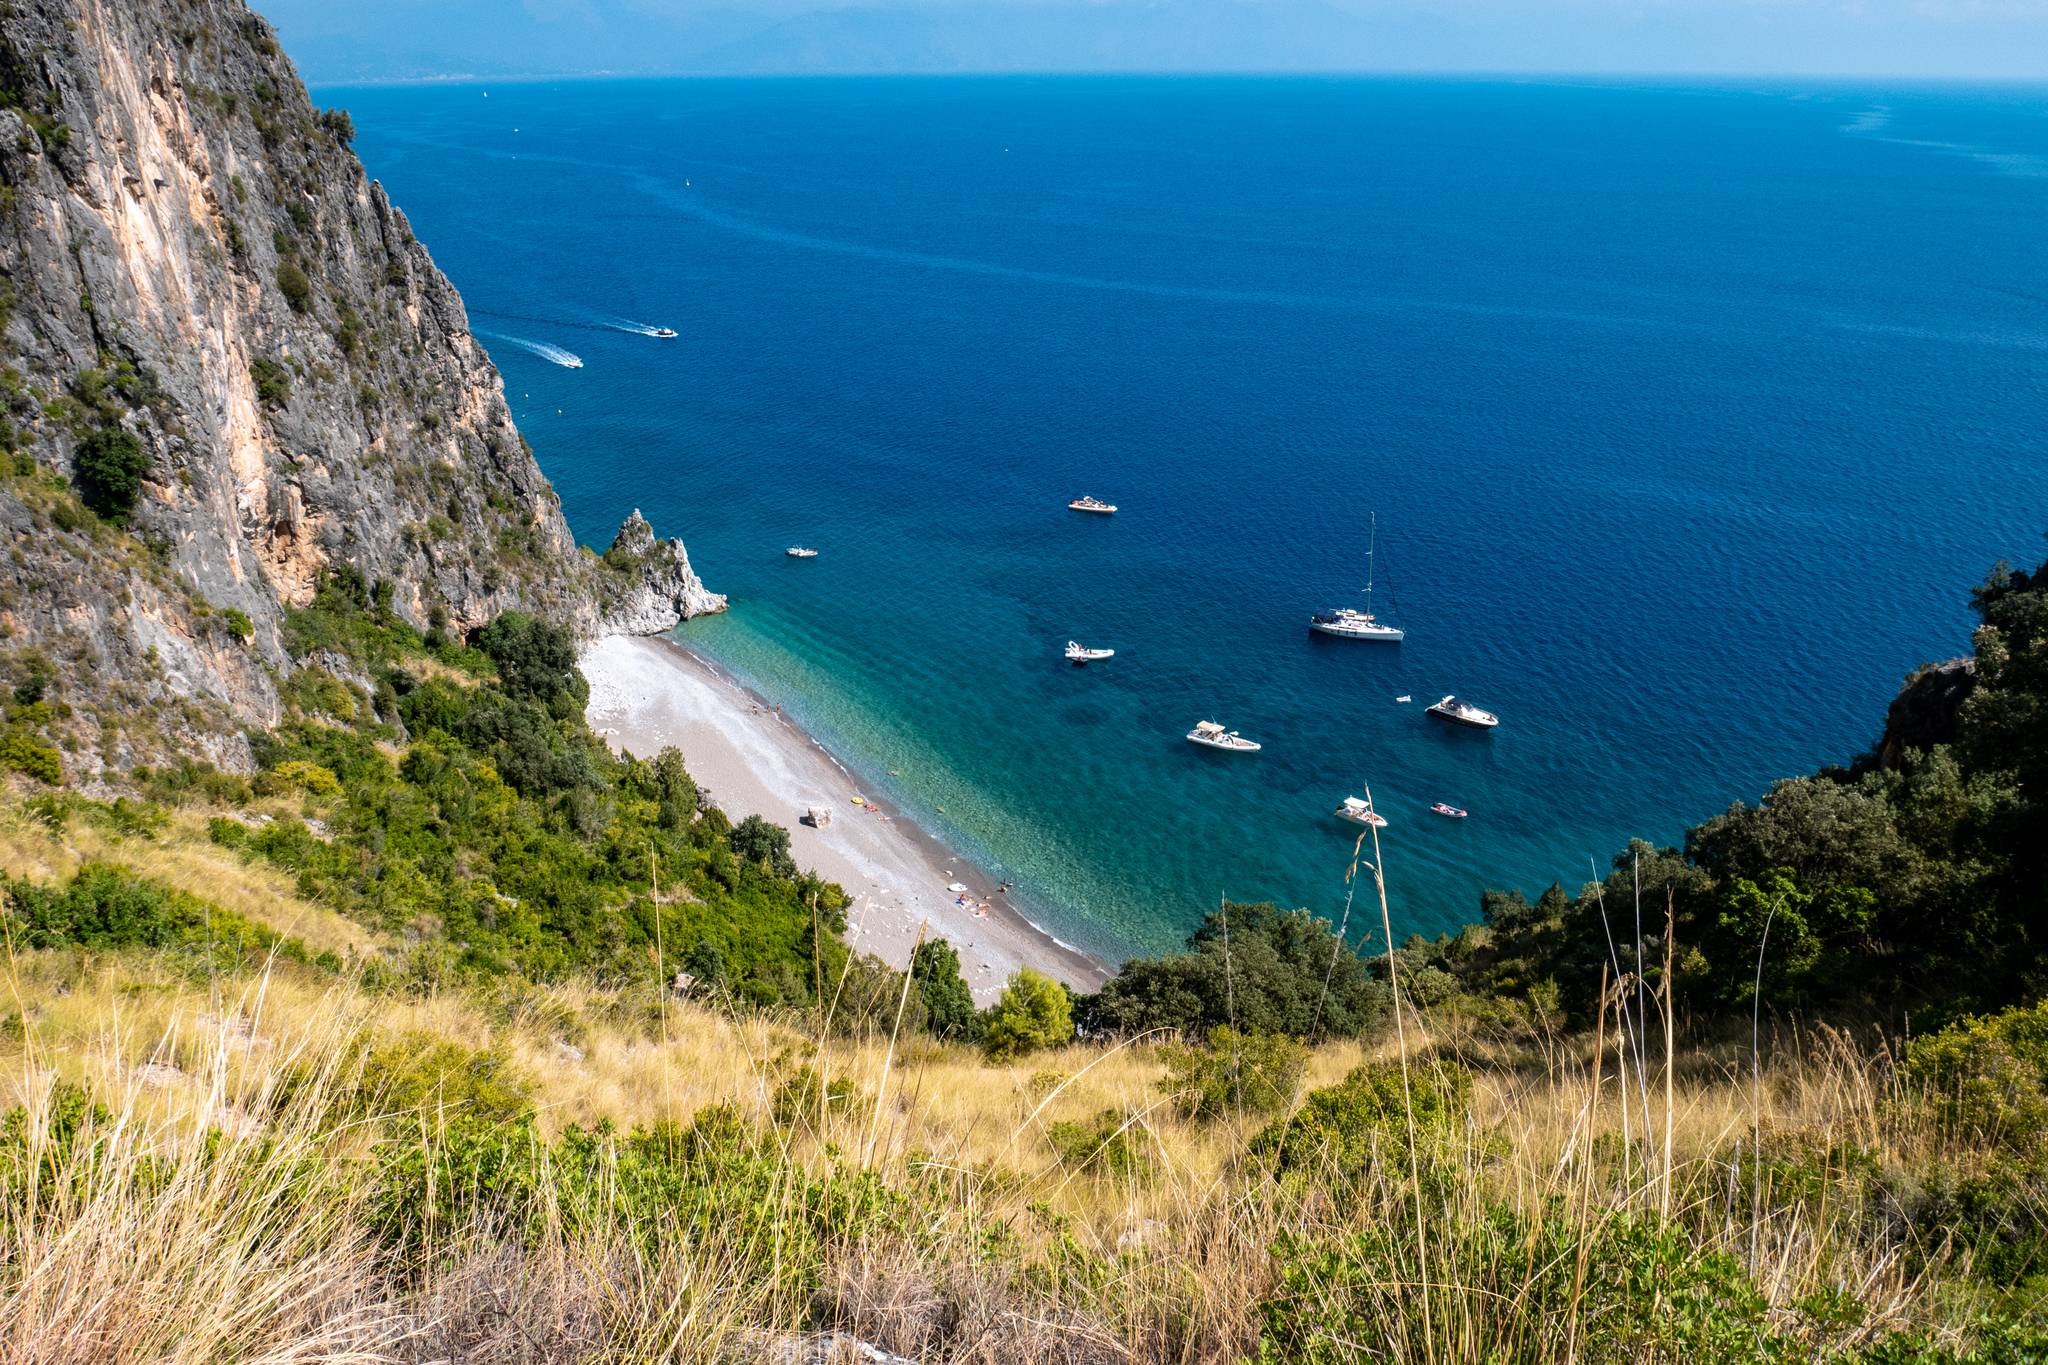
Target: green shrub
pixel 1988 1077
pixel 23 753
pixel 1235 1074
pixel 426 1073
pixel 1034 1011
pixel 803 1099
pixel 1348 1128
pixel 310 778
pixel 239 624
pixel 1543 1286
pixel 108 468
pixel 1111 1144
pixel 297 289
pixel 103 907
pixel 273 382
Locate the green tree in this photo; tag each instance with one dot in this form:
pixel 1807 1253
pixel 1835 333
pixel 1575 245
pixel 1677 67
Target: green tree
pixel 755 840
pixel 108 467
pixel 1034 1012
pixel 1252 967
pixel 948 1003
pixel 536 661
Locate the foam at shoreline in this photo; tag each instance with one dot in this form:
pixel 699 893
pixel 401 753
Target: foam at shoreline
pixel 753 760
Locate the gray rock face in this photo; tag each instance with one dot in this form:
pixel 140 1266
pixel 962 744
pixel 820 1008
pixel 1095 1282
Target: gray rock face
pixel 655 585
pixel 193 263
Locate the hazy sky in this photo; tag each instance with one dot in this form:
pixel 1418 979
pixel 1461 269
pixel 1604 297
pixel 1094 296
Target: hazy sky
pixel 397 39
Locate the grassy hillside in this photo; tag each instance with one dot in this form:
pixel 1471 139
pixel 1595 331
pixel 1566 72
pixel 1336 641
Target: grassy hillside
pixel 231 1142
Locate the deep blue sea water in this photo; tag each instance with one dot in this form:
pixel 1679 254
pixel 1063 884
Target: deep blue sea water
pixel 1690 415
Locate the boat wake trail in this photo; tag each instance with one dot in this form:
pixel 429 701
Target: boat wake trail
pixel 645 329
pixel 568 360
pixel 603 322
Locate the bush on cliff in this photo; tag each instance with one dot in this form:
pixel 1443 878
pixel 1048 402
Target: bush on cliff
pixel 108 467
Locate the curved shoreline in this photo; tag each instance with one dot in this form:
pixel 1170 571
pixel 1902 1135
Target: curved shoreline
pixel 648 692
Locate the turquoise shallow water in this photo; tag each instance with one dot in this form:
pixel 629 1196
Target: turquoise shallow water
pixel 1689 416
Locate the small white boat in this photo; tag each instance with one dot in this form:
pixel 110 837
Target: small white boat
pixel 1403 699
pixel 1084 503
pixel 662 332
pixel 1213 736
pixel 1444 808
pixel 800 552
pixel 1464 713
pixel 1360 812
pixel 1080 654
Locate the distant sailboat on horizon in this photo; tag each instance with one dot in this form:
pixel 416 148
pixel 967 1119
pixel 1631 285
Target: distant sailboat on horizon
pixel 1348 623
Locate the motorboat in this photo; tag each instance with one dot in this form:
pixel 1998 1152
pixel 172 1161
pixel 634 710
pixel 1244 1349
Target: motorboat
pixel 1084 503
pixel 1464 713
pixel 1213 736
pixel 663 332
pixel 1080 654
pixel 1447 810
pixel 1360 812
pixel 800 552
pixel 1348 623
pixel 1403 699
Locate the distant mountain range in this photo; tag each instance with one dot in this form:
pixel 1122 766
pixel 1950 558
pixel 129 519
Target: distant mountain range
pixel 383 40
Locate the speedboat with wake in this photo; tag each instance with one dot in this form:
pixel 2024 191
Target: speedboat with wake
pixel 1084 503
pixel 1080 654
pixel 663 332
pixel 1464 713
pixel 1210 735
pixel 1348 623
pixel 1360 812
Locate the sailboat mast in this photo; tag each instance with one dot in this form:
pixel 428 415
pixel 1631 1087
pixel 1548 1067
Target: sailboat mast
pixel 1372 546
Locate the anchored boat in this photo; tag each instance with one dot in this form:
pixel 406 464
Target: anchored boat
pixel 799 552
pixel 1081 655
pixel 1446 809
pixel 1464 713
pixel 1348 623
pixel 1360 812
pixel 1210 735
pixel 1084 503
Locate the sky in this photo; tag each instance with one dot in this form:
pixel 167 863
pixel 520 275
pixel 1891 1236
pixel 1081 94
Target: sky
pixel 379 40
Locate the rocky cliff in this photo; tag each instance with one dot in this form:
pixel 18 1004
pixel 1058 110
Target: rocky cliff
pixel 227 368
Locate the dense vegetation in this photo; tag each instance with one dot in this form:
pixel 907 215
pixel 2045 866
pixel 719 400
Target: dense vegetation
pixel 1910 883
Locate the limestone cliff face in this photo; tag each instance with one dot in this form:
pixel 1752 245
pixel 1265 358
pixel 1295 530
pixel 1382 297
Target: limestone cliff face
pixel 191 255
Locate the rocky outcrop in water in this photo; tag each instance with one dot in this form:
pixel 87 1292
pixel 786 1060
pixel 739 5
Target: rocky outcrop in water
pixel 655 585
pixel 227 369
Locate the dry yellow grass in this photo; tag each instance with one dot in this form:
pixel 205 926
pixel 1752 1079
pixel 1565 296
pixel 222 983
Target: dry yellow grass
pixel 1569 1124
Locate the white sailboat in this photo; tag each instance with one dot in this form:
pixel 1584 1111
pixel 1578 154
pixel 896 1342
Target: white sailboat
pixel 1348 623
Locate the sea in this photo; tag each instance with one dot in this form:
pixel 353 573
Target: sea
pixel 1689 414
